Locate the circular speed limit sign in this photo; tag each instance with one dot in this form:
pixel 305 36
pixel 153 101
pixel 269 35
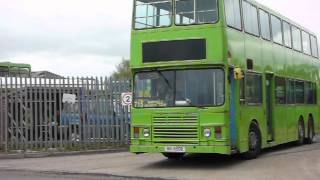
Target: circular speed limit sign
pixel 126 99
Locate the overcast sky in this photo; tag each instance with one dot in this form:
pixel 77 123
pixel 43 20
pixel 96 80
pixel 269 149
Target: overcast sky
pixel 89 37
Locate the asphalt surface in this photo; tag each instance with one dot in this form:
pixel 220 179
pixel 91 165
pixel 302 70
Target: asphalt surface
pixel 284 162
pixel 25 175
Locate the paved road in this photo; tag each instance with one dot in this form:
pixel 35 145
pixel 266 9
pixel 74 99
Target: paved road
pixel 16 175
pixel 285 162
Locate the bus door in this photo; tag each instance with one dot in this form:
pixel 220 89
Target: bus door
pixel 269 105
pixel 233 105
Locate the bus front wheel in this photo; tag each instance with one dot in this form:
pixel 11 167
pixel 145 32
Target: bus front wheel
pixel 254 142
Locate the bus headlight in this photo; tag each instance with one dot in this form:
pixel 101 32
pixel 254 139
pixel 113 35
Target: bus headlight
pixel 206 132
pixel 146 132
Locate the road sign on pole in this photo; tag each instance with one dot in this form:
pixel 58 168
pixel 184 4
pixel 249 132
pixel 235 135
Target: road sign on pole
pixel 126 99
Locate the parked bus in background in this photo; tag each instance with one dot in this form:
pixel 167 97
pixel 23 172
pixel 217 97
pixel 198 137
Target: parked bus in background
pixel 14 69
pixel 220 76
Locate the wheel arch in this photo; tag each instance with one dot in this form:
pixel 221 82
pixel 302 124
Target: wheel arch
pixel 310 118
pixel 255 123
pixel 301 119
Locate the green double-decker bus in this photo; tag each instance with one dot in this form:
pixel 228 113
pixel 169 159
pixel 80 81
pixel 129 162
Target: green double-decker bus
pixel 14 69
pixel 220 76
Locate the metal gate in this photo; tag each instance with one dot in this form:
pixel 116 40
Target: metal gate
pixel 85 113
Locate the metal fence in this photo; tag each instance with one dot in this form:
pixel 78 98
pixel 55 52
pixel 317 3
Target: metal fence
pixel 84 113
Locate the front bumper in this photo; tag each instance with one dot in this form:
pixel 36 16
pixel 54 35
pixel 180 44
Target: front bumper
pixel 189 149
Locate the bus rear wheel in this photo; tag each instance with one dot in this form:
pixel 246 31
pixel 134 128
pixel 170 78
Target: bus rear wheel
pixel 310 132
pixel 173 156
pixel 300 133
pixel 254 143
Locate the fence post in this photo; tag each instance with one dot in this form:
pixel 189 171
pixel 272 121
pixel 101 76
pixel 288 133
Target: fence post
pixel 122 111
pixel 6 115
pixel 79 131
pixel 127 124
pixel 20 115
pixel 73 133
pixel 1 116
pixel 83 111
pixel 24 110
pixel 102 111
pixel 49 114
pixel 60 112
pixel 107 109
pixel 55 114
pixel 36 113
pixel 93 103
pixel 30 105
pixel 88 96
pixel 98 111
pixel 114 112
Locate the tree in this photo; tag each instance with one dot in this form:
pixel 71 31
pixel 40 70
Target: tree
pixel 123 71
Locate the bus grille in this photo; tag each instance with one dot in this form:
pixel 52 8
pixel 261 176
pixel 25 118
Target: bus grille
pixel 176 129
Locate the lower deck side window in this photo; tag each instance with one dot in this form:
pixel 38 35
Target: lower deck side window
pixel 299 92
pixel 286 91
pixel 280 90
pixel 290 92
pixel 310 93
pixel 253 88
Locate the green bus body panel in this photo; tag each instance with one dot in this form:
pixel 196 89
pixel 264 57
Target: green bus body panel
pixel 212 34
pixel 283 62
pixel 267 57
pixel 208 118
pixel 14 65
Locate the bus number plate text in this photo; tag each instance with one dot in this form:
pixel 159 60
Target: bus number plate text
pixel 176 149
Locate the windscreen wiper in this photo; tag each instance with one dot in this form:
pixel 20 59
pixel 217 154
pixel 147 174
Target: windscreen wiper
pixel 194 105
pixel 165 79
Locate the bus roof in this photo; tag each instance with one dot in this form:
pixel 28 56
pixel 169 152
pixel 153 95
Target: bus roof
pixel 271 11
pixel 15 65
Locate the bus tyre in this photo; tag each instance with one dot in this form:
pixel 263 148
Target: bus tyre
pixel 300 133
pixel 309 140
pixel 174 156
pixel 254 143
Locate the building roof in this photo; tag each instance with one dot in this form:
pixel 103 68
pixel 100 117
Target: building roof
pixel 45 74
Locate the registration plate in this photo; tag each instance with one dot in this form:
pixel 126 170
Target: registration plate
pixel 175 149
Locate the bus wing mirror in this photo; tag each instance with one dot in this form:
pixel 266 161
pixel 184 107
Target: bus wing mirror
pixel 238 75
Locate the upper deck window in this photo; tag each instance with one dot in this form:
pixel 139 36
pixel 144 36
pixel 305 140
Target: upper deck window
pixel 233 13
pixel 296 38
pixel 314 46
pixel 276 29
pixel 306 43
pixel 152 13
pixel 287 34
pixel 196 12
pixel 250 18
pixel 265 25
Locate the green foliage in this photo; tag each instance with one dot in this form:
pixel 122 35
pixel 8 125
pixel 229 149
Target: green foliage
pixel 123 71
